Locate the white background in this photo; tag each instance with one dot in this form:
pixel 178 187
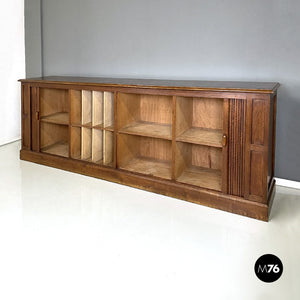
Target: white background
pixel 12 68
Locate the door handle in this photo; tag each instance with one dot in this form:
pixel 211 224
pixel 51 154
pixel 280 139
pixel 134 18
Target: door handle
pixel 224 140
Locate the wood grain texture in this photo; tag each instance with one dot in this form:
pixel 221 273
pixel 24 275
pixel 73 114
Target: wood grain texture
pixel 53 101
pixel 86 143
pixel 142 128
pixel 258 122
pixel 60 148
pixel 75 106
pixel 202 136
pixel 225 147
pixel 128 109
pixel 208 113
pixel 26 116
pixel 156 109
pixel 54 134
pixel 259 141
pixel 148 166
pixel 236 86
pixel 169 188
pixel 86 107
pixel 145 155
pixel 173 136
pixel 57 118
pixel 108 148
pixel 184 113
pixel 198 165
pixel 206 157
pixel 203 177
pixel 97 146
pixel 108 109
pixel 35 121
pixel 236 147
pixel 97 108
pixel 256 175
pixel 75 142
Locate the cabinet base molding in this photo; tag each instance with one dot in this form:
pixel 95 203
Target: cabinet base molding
pixel 169 188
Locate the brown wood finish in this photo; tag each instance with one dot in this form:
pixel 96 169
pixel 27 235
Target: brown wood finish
pixel 225 146
pixel 236 147
pixel 237 86
pixel 169 188
pixel 210 143
pixel 26 117
pixel 35 119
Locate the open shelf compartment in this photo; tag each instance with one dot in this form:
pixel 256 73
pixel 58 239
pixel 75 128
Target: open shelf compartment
pixel 199 121
pixel 198 165
pixel 54 139
pixel 92 145
pixel 145 155
pixel 92 109
pixel 54 106
pixel 145 115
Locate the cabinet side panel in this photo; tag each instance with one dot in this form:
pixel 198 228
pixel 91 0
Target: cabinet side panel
pixel 26 117
pixel 236 147
pixel 258 147
pixel 256 176
pixel 258 122
pixel 35 126
pixel 272 130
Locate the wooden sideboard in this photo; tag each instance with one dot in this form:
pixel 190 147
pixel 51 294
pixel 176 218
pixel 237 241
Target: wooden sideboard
pixel 211 143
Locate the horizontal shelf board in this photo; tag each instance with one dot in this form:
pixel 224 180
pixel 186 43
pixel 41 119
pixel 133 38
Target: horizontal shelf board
pixel 156 130
pixel 60 149
pixel 109 128
pixel 148 166
pixel 61 118
pixel 202 177
pixel 89 125
pixel 98 126
pixel 202 136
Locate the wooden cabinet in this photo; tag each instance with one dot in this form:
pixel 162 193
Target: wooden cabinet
pixel 211 143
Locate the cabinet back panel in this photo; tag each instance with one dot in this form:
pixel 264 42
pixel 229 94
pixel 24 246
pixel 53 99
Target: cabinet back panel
pixel 155 148
pixel 157 109
pixel 128 109
pixel 75 99
pixel 53 101
pixel 53 133
pixel 208 113
pixel 207 157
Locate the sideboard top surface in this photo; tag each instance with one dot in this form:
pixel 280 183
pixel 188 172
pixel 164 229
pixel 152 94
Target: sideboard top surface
pixel 239 86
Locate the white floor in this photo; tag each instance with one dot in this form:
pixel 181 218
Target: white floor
pixel 67 236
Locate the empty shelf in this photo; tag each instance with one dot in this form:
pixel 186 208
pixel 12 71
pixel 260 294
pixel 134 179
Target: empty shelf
pixel 157 130
pixel 57 118
pixel 202 136
pixel 60 148
pixel 149 167
pixel 203 177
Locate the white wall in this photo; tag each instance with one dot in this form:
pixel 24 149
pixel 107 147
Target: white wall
pixel 12 68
